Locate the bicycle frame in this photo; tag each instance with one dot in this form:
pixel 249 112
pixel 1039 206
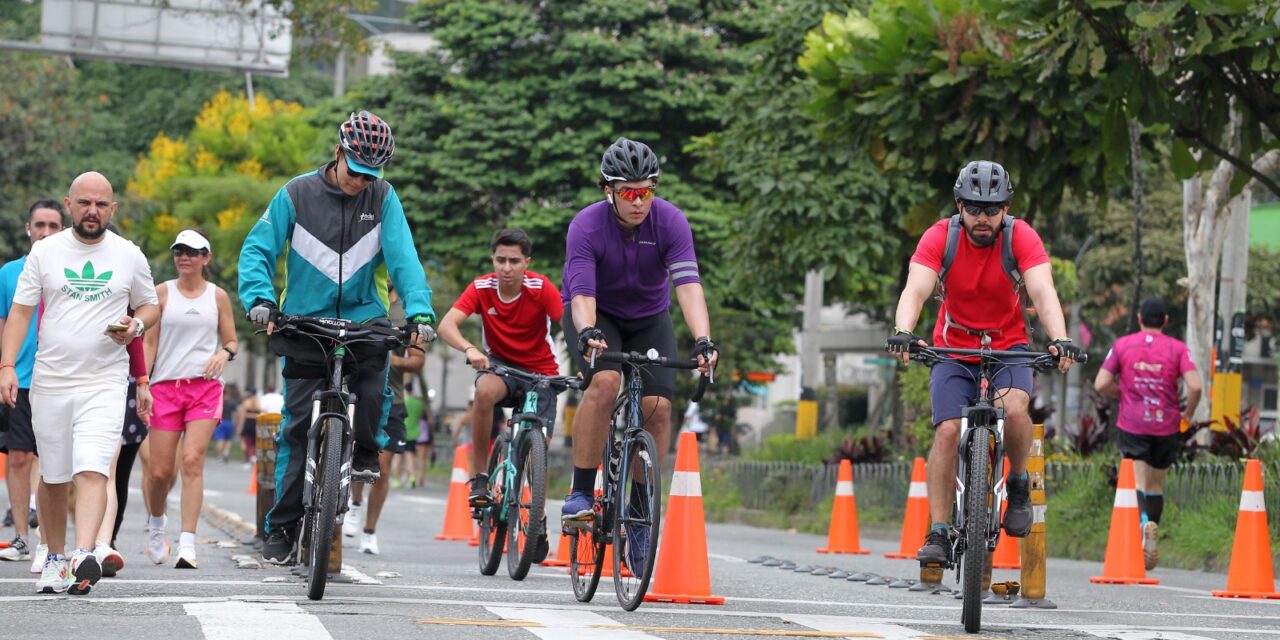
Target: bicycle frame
pixel 990 424
pixel 334 402
pixel 526 420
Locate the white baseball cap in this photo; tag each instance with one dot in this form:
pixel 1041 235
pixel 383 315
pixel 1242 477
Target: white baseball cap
pixel 191 239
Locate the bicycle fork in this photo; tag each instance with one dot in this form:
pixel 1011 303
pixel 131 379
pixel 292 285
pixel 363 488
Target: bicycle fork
pixel 315 436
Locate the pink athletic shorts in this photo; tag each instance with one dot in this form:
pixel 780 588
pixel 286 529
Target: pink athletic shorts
pixel 177 402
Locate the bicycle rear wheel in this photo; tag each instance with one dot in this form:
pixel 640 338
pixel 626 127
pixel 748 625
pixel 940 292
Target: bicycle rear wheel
pixel 586 561
pixel 637 521
pixel 493 523
pixel 977 521
pixel 525 520
pixel 325 510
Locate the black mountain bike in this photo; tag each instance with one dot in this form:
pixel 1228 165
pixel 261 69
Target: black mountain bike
pixel 326 486
pixel 630 463
pixel 518 480
pixel 980 484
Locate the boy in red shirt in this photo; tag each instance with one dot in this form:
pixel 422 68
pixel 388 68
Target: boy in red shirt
pixel 517 308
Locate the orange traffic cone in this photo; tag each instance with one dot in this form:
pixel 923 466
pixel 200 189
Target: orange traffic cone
pixel 1123 564
pixel 586 548
pixel 4 464
pixel 560 557
pixel 457 516
pixel 253 482
pixel 842 533
pixel 1006 555
pixel 916 522
pixel 682 574
pixel 1251 574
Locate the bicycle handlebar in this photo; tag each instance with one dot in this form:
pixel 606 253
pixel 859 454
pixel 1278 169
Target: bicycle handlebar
pixel 559 383
pixel 638 359
pixel 344 331
pixel 1037 359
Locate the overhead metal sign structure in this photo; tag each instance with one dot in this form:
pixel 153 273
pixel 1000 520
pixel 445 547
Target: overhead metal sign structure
pixel 231 35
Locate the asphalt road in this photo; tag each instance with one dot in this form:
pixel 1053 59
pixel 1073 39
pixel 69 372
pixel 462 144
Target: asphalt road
pixel 436 591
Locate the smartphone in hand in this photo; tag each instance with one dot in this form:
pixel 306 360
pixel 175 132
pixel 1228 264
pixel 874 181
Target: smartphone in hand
pixel 116 326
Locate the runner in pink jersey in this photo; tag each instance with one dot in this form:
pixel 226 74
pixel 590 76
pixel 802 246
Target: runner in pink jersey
pixel 1142 370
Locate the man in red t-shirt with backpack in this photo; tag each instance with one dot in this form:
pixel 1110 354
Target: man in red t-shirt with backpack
pixel 517 308
pixel 980 261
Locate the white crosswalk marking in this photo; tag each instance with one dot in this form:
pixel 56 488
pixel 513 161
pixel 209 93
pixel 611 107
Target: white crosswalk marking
pixel 559 624
pixel 256 621
pixel 861 625
pixel 1142 634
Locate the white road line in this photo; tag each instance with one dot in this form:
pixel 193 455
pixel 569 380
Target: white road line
pixel 558 624
pixel 256 621
pixel 842 623
pixel 1135 634
pixel 435 502
pixel 720 556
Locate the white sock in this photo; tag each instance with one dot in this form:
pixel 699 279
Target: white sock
pixel 33 500
pixel 187 537
pixel 158 522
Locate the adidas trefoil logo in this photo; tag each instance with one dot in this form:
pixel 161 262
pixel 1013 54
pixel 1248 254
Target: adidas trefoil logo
pixel 87 285
pixel 191 312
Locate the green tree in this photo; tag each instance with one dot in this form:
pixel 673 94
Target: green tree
pixel 505 122
pixel 801 201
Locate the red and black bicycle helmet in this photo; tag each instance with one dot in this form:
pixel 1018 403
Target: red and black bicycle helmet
pixel 367 139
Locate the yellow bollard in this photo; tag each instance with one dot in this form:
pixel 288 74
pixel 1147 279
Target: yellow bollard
pixel 806 419
pixel 930 581
pixel 268 426
pixel 1033 546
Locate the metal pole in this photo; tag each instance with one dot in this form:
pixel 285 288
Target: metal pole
pixel 248 83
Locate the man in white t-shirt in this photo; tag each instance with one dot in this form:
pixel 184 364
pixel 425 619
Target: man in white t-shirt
pixel 86 278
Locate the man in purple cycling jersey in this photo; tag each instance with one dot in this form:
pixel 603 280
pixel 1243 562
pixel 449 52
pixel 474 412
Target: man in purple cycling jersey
pixel 620 254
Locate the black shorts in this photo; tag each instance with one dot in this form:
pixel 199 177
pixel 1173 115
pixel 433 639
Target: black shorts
pixel 654 332
pixel 19 436
pixel 397 440
pixel 1160 452
pixel 514 400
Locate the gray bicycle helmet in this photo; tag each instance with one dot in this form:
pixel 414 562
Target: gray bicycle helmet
pixel 628 161
pixel 367 139
pixel 984 182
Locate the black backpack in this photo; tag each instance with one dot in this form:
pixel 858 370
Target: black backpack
pixel 1007 260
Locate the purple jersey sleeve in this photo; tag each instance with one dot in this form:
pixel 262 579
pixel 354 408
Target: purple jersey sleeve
pixel 580 263
pixel 682 262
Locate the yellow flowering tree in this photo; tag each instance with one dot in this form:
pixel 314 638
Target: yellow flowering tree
pixel 220 176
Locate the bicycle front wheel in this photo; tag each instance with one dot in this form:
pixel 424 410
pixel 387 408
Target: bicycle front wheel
pixel 637 521
pixel 325 510
pixel 493 518
pixel 526 520
pixel 977 520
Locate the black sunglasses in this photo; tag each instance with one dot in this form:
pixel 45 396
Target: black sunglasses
pixel 184 250
pixel 991 210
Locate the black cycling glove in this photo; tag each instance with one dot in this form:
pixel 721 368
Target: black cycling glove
pixel 1066 349
pixel 263 312
pixel 588 333
pixel 704 347
pixel 902 342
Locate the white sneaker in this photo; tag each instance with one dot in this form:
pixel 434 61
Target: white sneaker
pixel 186 557
pixel 157 546
pixel 110 559
pixel 56 576
pixel 17 550
pixel 86 572
pixel 369 543
pixel 1151 545
pixel 353 520
pixel 38 558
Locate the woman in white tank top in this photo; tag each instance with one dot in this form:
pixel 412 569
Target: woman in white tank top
pixel 186 352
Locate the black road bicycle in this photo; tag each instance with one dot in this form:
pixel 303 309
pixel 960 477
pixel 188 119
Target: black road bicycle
pixel 326 487
pixel 980 484
pixel 518 480
pixel 630 464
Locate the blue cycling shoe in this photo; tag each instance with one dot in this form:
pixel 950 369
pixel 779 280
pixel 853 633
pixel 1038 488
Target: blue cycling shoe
pixel 577 507
pixel 637 540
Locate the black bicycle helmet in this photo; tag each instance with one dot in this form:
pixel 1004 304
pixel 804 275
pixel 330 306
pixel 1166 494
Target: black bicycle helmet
pixel 628 161
pixel 367 138
pixel 984 182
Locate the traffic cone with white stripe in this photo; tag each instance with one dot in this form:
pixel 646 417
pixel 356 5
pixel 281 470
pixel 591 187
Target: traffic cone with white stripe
pixel 457 512
pixel 682 574
pixel 1251 574
pixel 842 533
pixel 916 522
pixel 1006 555
pixel 1123 564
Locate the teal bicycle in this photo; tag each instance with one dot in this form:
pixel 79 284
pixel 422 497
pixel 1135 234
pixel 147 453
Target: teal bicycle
pixel 516 518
